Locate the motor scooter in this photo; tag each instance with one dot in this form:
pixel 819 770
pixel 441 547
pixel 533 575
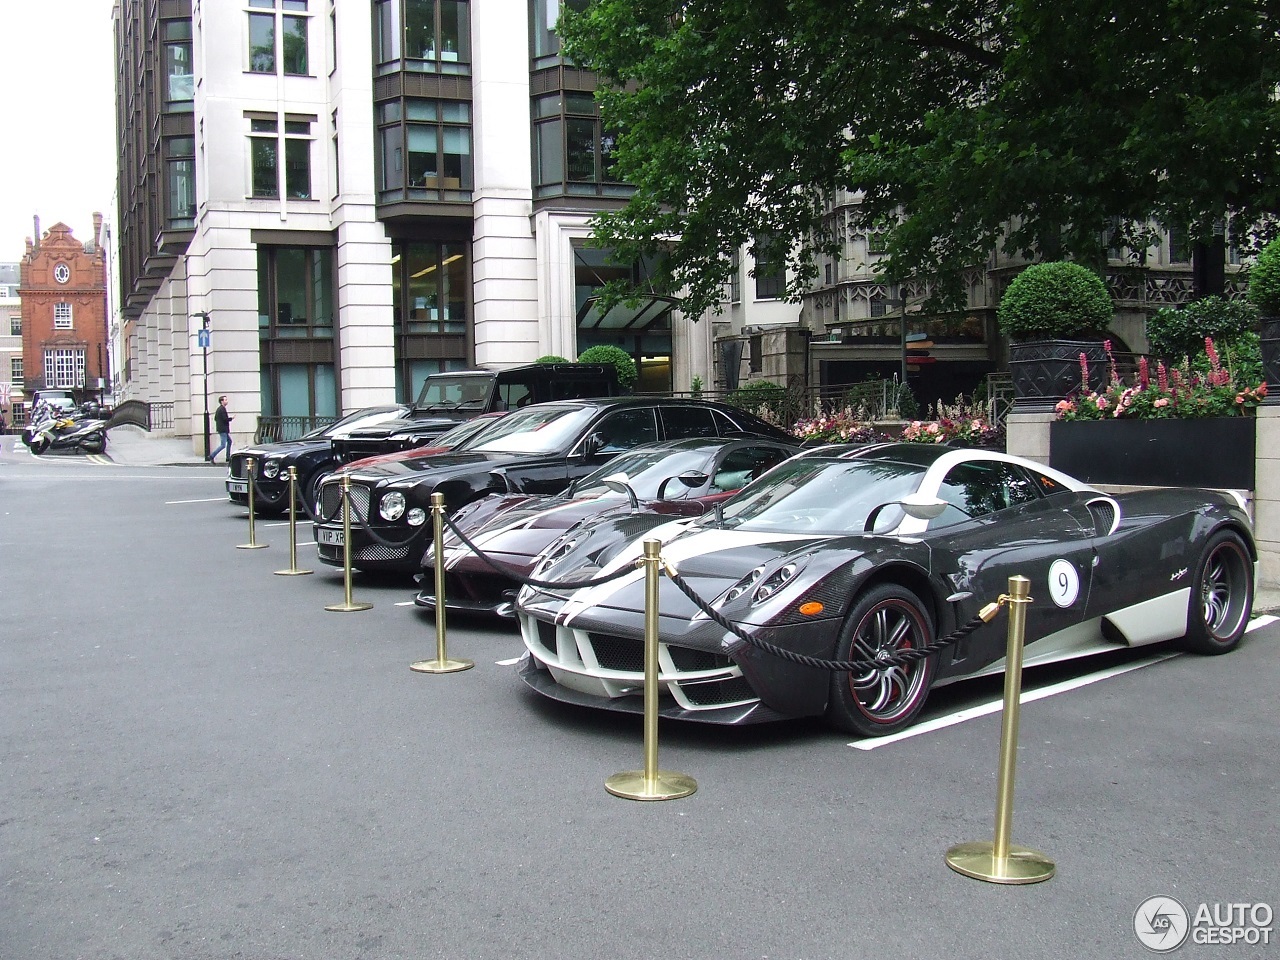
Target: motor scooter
pixel 82 433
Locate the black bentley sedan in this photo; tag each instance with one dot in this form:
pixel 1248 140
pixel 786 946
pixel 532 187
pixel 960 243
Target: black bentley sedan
pixel 540 449
pixel 311 455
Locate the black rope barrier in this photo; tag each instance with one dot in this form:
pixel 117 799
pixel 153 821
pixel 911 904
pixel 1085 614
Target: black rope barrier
pixel 840 666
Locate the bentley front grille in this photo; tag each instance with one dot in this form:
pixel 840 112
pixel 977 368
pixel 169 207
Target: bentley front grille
pixel 378 551
pixel 331 501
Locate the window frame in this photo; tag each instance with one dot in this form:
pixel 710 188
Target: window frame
pixel 63 316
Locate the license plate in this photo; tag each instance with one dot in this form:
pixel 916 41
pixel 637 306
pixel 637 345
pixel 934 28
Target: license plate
pixel 238 486
pixel 331 538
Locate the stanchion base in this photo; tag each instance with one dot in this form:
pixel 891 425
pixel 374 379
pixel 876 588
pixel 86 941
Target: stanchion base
pixel 978 860
pixel 348 607
pixel 292 573
pixel 665 785
pixel 251 546
pixel 441 666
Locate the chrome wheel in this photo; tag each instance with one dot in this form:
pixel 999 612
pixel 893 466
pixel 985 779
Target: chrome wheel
pixel 887 621
pixel 1222 596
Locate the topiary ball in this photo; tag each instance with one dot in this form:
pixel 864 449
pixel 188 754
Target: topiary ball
pixel 1055 301
pixel 621 360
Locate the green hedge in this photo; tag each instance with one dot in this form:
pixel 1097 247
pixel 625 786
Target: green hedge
pixel 1055 301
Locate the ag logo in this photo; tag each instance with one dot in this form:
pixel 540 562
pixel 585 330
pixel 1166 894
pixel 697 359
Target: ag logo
pixel 1161 924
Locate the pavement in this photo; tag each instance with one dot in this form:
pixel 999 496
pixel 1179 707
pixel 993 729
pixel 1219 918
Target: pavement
pixel 132 446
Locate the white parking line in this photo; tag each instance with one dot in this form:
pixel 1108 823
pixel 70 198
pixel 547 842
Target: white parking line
pixel 507 663
pixel 306 543
pixel 405 603
pixel 970 713
pixel 168 503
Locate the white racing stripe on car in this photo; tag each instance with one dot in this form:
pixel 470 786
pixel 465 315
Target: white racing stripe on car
pixel 461 551
pixel 1028 696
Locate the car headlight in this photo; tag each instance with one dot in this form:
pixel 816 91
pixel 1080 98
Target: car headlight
pixel 391 506
pixel 553 554
pixel 743 585
pixel 271 469
pixel 774 582
pixel 417 517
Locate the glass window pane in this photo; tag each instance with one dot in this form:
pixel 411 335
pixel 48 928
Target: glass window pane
pixel 388 31
pixel 547 106
pixel 455 111
pixel 422 161
pixel 326 391
pixel 389 112
pixel 182 192
pixel 581 149
pixel 583 103
pixel 550 153
pixel 297 169
pixel 262 43
pixel 294 5
pixel 392 158
pixel 180 83
pixel 422 110
pixel 419 29
pixel 294 43
pixel 263 161
pixel 455 288
pixel 264 297
pixel 263 126
pixel 455 39
pixel 457 158
pixel 295 390
pixel 422 263
pixel 177 29
pixel 291 286
pixel 322 288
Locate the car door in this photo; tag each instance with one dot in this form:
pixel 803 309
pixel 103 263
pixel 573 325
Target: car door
pixel 1002 524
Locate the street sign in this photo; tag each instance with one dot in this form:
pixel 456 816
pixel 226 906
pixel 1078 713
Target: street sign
pixel 202 338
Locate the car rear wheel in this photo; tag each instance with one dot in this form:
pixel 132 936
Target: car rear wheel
pixel 886 621
pixel 1221 596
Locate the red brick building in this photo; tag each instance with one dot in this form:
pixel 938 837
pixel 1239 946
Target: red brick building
pixel 64 312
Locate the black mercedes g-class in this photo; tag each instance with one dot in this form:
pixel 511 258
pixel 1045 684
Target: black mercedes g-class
pixel 447 399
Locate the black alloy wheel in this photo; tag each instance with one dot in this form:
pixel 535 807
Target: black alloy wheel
pixel 1221 596
pixel 887 620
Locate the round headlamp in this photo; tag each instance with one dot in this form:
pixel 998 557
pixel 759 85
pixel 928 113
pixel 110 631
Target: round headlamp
pixel 271 469
pixel 391 506
pixel 417 517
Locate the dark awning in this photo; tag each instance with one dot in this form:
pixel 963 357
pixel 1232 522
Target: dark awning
pixel 638 315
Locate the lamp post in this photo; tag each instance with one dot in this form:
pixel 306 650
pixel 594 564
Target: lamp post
pixel 203 337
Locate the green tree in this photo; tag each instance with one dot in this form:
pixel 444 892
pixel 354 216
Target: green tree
pixel 1055 130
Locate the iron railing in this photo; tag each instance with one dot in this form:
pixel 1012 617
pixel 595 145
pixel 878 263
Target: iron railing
pixel 141 413
pixel 277 429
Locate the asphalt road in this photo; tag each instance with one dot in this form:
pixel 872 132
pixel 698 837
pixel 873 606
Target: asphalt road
pixel 197 760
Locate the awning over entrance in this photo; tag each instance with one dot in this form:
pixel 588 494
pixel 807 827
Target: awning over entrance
pixel 630 316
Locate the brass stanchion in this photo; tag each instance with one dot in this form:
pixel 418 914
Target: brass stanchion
pixel 347 606
pixel 442 663
pixel 253 543
pixel 1000 862
pixel 651 783
pixel 293 570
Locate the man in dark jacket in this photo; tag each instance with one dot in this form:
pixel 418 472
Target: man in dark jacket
pixel 222 424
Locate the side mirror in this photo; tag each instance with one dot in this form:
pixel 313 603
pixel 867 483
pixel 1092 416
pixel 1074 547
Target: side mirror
pixel 692 479
pixel 913 505
pixel 621 483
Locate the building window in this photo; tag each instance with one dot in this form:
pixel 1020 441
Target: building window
pixel 62 316
pixel 877 242
pixel 543 15
pixel 15 370
pixel 264 158
pixel 574 153
pixel 64 368
pixel 15 326
pixel 293 29
pixel 430 293
pixel 180 164
pixel 735 278
pixel 1179 246
pixel 180 88
pixel 424 150
pixel 295 292
pixel 426 36
pixel 770 271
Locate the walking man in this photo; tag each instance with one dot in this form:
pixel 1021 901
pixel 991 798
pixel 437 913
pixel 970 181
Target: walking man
pixel 222 424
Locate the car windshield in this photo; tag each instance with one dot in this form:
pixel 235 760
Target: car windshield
pixel 539 429
pixel 646 471
pixel 328 430
pixel 464 434
pixel 811 495
pixel 455 393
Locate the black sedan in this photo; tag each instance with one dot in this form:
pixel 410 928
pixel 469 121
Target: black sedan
pixel 311 455
pixel 540 449
pixel 673 478
pixel 861 554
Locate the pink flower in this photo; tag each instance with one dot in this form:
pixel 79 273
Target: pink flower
pixel 1162 402
pixel 1162 376
pixel 1064 406
pixel 1102 402
pixel 1144 375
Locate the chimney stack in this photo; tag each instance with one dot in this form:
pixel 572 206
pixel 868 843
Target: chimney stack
pixel 37 222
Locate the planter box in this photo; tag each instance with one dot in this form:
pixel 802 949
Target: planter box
pixel 1213 452
pixel 1046 371
pixel 1269 345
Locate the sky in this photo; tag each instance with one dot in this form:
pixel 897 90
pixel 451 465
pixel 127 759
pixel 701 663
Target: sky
pixel 57 78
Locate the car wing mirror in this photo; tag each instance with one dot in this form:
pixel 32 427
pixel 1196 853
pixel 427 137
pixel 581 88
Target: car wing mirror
pixel 621 483
pixel 692 479
pixel 917 506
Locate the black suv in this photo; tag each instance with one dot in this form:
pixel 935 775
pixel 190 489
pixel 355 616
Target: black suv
pixel 447 399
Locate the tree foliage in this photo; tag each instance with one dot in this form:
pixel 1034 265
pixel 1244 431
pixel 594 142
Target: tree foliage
pixel 1264 280
pixel 1055 130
